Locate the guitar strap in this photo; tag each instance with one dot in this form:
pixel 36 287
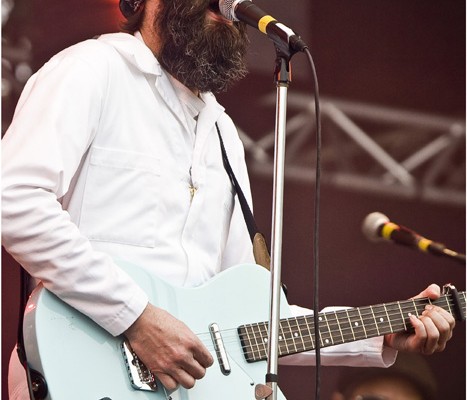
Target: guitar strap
pixel 260 249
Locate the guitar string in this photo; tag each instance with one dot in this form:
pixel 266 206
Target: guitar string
pixel 346 332
pixel 291 342
pixel 394 310
pixel 334 322
pixel 258 351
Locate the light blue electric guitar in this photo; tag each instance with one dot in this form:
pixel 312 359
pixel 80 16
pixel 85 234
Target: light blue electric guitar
pixel 79 360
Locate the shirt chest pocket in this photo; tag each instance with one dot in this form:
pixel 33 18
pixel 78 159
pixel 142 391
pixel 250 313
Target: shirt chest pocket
pixel 120 199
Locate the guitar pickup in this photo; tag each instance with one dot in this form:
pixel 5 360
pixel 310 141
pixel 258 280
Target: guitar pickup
pixel 220 349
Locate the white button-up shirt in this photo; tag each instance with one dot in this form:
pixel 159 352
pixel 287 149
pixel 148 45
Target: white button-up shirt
pixel 101 162
pixel 100 128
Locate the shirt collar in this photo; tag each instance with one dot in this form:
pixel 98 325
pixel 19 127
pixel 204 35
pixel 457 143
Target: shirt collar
pixel 134 50
pixel 194 104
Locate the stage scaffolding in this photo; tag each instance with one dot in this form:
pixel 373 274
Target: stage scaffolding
pixel 369 148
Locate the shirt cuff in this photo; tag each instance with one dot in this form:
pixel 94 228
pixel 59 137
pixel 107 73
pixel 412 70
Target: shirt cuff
pixel 127 315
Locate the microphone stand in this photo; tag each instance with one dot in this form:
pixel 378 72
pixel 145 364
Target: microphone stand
pixel 282 78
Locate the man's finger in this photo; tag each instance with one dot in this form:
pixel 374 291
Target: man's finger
pixel 167 381
pixel 444 323
pixel 194 368
pixel 203 356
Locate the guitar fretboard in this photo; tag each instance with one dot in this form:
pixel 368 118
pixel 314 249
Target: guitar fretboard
pixel 297 334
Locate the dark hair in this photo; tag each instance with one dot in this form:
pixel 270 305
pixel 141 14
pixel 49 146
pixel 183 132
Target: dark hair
pixel 410 367
pixel 133 22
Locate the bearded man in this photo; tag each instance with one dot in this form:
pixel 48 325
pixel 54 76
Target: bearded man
pixel 114 153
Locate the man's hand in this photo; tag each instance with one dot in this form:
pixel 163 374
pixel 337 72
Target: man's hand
pixel 432 329
pixel 168 348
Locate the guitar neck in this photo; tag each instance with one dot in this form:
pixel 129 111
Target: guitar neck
pixel 297 334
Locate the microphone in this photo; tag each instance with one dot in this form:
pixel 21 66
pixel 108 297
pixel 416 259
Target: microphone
pixel 377 227
pixel 244 10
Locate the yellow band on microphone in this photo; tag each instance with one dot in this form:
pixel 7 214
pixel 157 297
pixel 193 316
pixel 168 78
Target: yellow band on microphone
pixel 424 243
pixel 388 228
pixel 264 22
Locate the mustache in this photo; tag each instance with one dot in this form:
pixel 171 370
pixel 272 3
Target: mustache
pixel 176 12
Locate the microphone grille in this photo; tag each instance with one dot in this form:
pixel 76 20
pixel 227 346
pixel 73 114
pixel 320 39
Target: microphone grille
pixel 226 7
pixel 371 224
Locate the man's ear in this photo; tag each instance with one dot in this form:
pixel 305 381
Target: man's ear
pixel 337 396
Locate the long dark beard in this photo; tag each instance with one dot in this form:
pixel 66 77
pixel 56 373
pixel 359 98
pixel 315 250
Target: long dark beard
pixel 203 54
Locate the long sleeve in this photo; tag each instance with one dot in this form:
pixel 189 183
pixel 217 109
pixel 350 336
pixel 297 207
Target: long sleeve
pixel 54 124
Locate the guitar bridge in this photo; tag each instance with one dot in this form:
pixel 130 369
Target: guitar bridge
pixel 140 377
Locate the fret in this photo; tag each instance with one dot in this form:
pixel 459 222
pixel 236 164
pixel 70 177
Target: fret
pixel 249 342
pixel 347 323
pixel 381 318
pixel 297 334
pixel 336 331
pixel 374 319
pixel 292 335
pixel 255 330
pixel 320 334
pixel 302 336
pixel 448 304
pixel 262 350
pixel 253 350
pixel 326 315
pixel 356 323
pixel 339 326
pixel 283 347
pixel 310 334
pixel 402 315
pixel 415 308
pixel 370 321
pixel 264 338
pixel 244 336
pixel 325 331
pixel 253 341
pixel 363 324
pixel 408 309
pixel 420 305
pixel 398 322
pixel 311 324
pixel 389 319
pixel 449 308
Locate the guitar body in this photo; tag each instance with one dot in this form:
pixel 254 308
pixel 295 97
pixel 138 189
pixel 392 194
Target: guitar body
pixel 80 360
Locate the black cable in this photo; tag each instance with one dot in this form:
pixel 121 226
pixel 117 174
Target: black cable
pixel 316 226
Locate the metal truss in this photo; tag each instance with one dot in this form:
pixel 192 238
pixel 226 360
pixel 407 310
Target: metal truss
pixel 373 149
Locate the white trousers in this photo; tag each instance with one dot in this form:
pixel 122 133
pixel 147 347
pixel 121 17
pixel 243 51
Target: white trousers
pixel 17 381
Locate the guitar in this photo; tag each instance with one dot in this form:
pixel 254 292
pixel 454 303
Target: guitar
pixel 80 360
